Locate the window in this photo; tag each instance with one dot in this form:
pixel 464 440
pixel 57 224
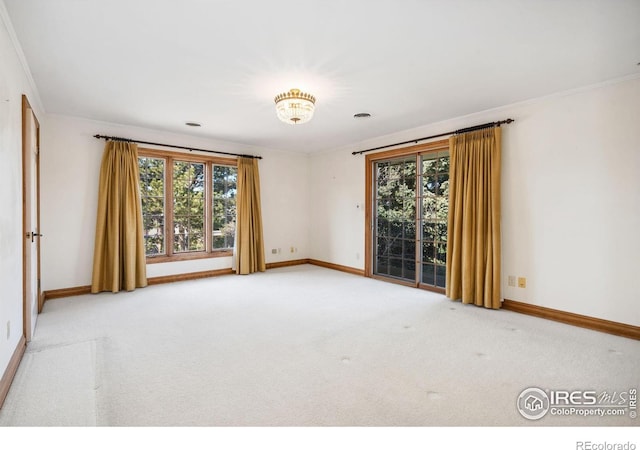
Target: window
pixel 188 205
pixel 153 200
pixel 224 206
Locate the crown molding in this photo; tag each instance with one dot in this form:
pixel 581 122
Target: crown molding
pixel 486 115
pixel 34 95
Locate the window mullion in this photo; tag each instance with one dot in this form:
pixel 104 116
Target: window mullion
pixel 418 221
pixel 169 206
pixel 208 207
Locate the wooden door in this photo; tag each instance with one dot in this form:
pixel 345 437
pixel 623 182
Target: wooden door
pixel 31 218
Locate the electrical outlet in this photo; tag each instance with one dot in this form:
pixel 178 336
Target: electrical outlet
pixel 274 251
pixel 293 249
pixel 522 282
pixel 279 251
pixel 512 281
pixel 8 329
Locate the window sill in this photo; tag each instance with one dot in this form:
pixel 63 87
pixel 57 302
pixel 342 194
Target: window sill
pixel 188 256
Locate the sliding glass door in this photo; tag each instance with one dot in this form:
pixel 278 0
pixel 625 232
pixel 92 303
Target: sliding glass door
pixel 434 200
pixel 395 207
pixel 408 220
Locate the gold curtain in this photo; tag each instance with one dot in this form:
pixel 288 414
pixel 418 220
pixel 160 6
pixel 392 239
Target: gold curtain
pixel 119 255
pixel 249 243
pixel 473 237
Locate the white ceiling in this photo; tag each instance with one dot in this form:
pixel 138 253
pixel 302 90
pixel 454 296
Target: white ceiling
pixel 161 63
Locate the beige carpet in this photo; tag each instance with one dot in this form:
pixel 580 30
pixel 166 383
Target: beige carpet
pixel 302 346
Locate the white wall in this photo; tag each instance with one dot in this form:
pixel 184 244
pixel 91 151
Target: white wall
pixel 336 232
pixel 70 167
pixel 571 199
pixel 13 83
pixel 284 179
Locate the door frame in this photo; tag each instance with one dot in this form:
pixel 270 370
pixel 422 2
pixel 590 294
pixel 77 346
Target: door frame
pixel 370 160
pixel 26 228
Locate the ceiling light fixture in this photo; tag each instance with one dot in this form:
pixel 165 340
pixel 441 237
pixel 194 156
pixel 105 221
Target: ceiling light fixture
pixel 192 124
pixel 362 115
pixel 295 107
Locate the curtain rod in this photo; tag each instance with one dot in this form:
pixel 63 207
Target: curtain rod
pixel 462 130
pixel 121 139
